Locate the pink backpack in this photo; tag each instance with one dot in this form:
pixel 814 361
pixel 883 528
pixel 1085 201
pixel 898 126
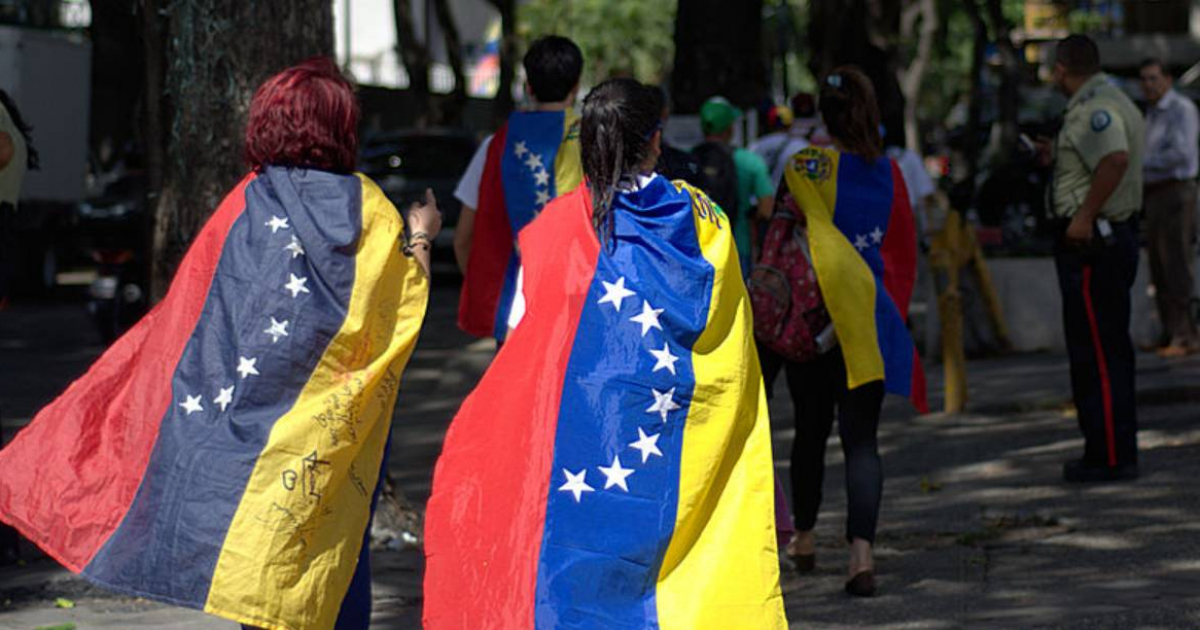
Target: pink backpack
pixel 789 311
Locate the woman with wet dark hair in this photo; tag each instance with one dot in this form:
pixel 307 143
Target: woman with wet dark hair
pixel 852 205
pixel 613 467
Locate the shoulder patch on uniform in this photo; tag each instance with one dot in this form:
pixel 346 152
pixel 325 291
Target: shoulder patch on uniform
pixel 1101 119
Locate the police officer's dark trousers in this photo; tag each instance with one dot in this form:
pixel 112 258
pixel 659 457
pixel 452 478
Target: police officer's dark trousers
pixel 1095 282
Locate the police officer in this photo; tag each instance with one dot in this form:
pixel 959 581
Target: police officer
pixel 1096 195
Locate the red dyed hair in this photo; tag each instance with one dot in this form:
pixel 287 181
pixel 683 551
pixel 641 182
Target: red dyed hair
pixel 306 116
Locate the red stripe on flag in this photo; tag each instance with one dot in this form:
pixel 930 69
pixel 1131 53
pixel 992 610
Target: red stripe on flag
pixel 485 518
pixel 491 248
pixel 71 475
pixel 899 247
pixel 899 252
pixel 1102 365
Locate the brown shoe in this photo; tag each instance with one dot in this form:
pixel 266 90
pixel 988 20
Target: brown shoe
pixel 804 562
pixel 862 584
pixel 1176 351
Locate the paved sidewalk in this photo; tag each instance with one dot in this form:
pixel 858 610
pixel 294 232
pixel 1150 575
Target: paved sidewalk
pixel 977 528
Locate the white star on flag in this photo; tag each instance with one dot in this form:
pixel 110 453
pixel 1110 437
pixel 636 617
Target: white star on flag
pixel 615 475
pixel 277 330
pixel 664 359
pixel 542 177
pixel 647 444
pixel 615 292
pixel 296 285
pixel 648 318
pixel 663 403
pixel 860 242
pixel 877 235
pixel 192 404
pixel 519 148
pixel 575 484
pixel 543 197
pixel 534 161
pixel 225 397
pixel 295 247
pixel 277 223
pixel 246 367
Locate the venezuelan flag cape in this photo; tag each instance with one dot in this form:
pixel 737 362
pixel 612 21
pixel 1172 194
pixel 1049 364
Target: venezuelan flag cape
pixel 532 159
pixel 223 454
pixel 613 467
pixel 864 248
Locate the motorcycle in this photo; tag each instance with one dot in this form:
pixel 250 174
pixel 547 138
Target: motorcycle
pixel 113 225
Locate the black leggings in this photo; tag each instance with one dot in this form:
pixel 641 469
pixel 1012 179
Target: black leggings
pixel 818 389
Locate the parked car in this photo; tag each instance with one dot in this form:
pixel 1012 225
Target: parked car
pixel 404 163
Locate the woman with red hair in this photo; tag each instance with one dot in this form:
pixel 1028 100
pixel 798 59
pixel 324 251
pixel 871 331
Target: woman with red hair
pixel 226 453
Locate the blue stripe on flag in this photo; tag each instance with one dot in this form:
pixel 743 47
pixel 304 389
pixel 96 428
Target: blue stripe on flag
pixel 169 541
pixel 601 553
pixel 527 175
pixel 863 213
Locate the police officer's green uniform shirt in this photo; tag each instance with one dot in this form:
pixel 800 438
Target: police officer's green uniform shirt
pixel 1099 120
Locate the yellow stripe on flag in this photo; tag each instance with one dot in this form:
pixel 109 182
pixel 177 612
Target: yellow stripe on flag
pixel 293 544
pixel 847 284
pixel 721 569
pixel 568 167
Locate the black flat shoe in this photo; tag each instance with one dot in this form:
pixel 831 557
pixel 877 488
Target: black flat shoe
pixel 862 584
pixel 1079 471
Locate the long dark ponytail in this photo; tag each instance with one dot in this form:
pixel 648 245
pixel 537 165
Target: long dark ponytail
pixel 31 155
pixel 620 117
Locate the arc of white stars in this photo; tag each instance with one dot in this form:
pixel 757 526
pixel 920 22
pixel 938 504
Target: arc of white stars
pixel 877 235
pixel 615 293
pixel 664 403
pixel 664 359
pixel 277 223
pixel 615 475
pixel 295 247
pixel 542 177
pixel 278 329
pixel 860 242
pixel 191 404
pixel 648 318
pixel 296 285
pixel 575 484
pixel 246 366
pixel 647 444
pixel 224 397
pixel 534 161
pixel 543 197
pixel 519 148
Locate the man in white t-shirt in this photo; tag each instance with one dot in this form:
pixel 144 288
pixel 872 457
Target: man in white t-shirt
pixel 513 175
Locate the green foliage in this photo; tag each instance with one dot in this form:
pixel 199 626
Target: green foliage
pixel 618 37
pixel 948 77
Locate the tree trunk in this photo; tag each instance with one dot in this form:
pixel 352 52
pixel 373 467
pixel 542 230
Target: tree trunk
pixel 415 55
pixel 1010 81
pixel 217 52
pixel 452 107
pixel 975 104
pixel 508 58
pixel 912 77
pixel 718 51
pixel 861 33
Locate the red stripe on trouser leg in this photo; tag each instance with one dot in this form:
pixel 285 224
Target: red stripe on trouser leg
pixel 1102 365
